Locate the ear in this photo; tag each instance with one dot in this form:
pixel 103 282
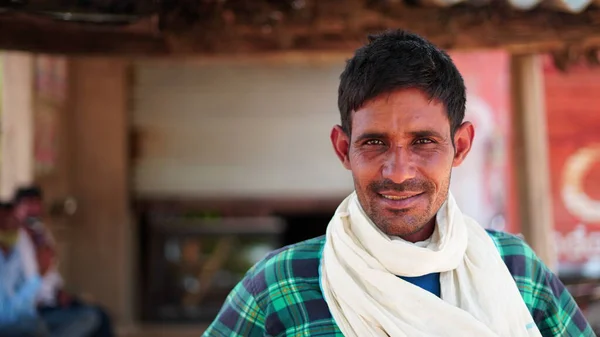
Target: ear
pixel 463 139
pixel 341 145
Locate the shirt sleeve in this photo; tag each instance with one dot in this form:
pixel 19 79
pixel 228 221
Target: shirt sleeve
pixel 556 312
pixel 241 315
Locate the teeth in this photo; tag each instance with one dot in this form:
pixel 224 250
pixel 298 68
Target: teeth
pixel 393 197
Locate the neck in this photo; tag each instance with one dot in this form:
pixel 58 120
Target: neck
pixel 422 234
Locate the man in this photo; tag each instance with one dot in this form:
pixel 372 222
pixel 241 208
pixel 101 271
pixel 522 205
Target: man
pixel 18 288
pixel 399 257
pixel 52 299
pixel 20 283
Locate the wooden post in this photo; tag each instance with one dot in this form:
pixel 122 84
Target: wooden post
pixel 16 167
pixel 101 238
pixel 531 151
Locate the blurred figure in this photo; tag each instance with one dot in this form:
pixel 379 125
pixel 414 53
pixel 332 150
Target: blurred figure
pixel 18 287
pixel 22 270
pixel 53 300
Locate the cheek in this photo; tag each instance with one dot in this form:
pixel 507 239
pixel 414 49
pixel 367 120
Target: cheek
pixel 437 169
pixel 365 168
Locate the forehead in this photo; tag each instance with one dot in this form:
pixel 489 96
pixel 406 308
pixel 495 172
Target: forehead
pixel 401 110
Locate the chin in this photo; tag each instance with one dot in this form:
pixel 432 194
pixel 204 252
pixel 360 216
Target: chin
pixel 403 232
pixel 397 227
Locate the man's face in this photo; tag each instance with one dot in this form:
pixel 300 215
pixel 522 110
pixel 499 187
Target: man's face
pixel 401 155
pixel 29 207
pixel 8 222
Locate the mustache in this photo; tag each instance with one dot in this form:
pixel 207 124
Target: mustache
pixel 410 185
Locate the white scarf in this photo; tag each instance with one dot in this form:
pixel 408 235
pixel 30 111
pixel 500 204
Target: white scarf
pixel 359 277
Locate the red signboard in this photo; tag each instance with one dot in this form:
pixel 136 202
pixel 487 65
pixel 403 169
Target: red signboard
pixel 573 108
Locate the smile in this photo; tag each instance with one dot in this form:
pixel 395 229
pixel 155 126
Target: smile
pixel 394 197
pixel 399 197
pixel 404 200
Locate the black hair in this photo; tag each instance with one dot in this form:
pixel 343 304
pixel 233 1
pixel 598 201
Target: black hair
pixel 397 59
pixel 27 192
pixel 6 206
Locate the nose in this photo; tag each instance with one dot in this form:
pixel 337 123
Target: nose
pixel 399 165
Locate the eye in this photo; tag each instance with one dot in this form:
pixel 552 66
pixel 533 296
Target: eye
pixel 374 142
pixel 423 141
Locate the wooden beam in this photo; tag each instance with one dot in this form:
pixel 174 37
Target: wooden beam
pixel 335 28
pixel 17 123
pixel 42 35
pixel 330 30
pixel 532 161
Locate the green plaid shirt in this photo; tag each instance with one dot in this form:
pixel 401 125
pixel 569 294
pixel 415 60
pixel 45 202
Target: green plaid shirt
pixel 281 295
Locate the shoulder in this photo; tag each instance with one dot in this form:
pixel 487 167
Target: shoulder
pixel 24 236
pixel 24 245
pixel 275 293
pixel 287 265
pixel 277 287
pixel 554 310
pixel 302 252
pixel 520 259
pixel 511 246
pixel 526 268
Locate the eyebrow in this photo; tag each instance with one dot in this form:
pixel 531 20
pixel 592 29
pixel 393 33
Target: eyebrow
pixel 414 134
pixel 427 133
pixel 370 135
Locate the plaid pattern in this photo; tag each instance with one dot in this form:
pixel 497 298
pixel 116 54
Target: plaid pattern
pixel 281 295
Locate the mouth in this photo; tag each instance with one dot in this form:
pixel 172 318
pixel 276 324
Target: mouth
pixel 397 197
pixel 400 200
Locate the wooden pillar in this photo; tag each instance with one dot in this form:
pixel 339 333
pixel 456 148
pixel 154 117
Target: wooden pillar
pixel 16 121
pixel 101 243
pixel 531 151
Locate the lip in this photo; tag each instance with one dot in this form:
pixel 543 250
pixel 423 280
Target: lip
pixel 409 199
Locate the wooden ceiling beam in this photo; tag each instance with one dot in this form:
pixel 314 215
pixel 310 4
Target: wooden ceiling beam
pixel 458 28
pixel 43 35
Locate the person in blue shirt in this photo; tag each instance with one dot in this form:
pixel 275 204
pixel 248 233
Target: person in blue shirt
pixel 20 285
pixel 18 290
pixel 54 303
